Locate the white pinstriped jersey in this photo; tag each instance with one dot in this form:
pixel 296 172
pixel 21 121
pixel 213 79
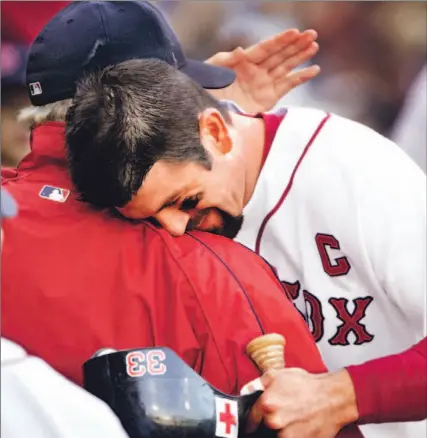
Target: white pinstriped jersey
pixel 340 212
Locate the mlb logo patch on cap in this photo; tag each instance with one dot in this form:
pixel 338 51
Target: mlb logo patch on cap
pixel 35 88
pixel 54 193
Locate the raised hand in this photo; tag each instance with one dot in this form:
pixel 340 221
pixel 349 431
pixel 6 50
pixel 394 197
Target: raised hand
pixel 266 71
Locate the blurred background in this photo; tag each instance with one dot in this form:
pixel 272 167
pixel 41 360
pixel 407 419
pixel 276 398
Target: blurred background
pixel 372 55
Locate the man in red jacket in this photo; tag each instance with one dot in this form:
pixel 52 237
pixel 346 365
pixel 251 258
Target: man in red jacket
pixel 75 280
pixel 93 280
pixel 99 281
pixel 41 398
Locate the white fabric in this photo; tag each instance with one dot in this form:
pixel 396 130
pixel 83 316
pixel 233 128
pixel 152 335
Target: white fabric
pixel 360 188
pixel 37 402
pixel 410 131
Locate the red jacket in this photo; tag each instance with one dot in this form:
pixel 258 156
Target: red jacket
pixel 75 280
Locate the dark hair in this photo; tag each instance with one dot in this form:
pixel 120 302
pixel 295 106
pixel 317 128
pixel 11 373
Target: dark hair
pixel 124 119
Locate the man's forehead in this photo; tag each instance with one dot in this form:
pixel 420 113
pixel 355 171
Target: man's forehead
pixel 165 179
pixel 163 168
pixel 162 180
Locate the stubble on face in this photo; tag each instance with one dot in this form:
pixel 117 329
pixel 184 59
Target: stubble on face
pixel 229 225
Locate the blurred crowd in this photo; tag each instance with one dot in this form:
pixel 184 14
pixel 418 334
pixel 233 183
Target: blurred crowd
pixel 370 52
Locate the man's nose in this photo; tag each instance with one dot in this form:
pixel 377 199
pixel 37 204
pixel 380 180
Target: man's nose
pixel 174 222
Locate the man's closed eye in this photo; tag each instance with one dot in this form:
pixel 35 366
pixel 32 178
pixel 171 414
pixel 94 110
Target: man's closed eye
pixel 190 203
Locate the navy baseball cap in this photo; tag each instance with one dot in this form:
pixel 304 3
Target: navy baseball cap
pixel 87 36
pixel 8 205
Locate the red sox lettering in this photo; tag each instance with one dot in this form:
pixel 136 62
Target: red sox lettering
pixel 351 320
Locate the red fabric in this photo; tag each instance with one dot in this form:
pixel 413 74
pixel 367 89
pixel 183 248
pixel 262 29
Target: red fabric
pixel 272 122
pixel 23 20
pixel 75 280
pixel 393 388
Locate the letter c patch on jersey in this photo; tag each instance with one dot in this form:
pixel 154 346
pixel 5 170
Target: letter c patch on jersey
pixel 333 267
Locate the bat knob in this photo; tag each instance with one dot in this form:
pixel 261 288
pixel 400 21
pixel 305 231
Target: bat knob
pixel 268 352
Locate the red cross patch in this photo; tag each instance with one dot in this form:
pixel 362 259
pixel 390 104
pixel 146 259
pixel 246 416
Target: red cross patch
pixel 227 418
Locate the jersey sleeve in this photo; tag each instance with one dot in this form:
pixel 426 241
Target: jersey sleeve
pixel 42 403
pixel 393 388
pixel 392 218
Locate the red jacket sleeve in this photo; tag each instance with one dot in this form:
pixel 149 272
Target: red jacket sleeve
pixel 240 298
pixel 393 388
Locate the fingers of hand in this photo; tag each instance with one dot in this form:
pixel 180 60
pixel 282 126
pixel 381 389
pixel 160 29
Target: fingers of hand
pixel 258 53
pixel 270 52
pixel 297 59
pixel 287 65
pixel 258 410
pixel 268 409
pixel 273 410
pixel 298 77
pixel 299 41
pixel 310 34
pixel 254 418
pixel 262 51
pixel 252 386
pixel 227 59
pixel 293 54
pixel 268 377
pixel 290 405
pixel 291 80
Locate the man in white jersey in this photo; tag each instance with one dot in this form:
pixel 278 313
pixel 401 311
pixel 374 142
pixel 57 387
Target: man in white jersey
pixel 37 401
pixel 337 210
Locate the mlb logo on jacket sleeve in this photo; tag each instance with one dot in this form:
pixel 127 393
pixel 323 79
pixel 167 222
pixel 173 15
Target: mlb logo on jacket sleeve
pixel 54 194
pixel 227 418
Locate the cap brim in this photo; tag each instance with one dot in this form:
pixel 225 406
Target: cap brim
pixel 208 76
pixel 8 205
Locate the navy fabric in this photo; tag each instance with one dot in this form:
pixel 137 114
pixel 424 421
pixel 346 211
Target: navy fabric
pixel 86 36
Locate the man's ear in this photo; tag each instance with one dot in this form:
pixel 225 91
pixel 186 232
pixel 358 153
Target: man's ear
pixel 214 133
